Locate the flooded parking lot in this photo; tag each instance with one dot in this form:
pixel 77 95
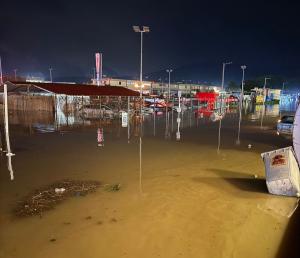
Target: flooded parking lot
pixel 203 195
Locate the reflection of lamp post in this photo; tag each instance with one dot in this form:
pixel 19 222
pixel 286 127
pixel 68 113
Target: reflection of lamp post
pixel 178 117
pixel 241 104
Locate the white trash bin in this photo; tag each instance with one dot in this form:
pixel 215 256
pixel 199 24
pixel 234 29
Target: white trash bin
pixel 282 172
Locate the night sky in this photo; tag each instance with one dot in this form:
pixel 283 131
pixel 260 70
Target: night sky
pixel 192 37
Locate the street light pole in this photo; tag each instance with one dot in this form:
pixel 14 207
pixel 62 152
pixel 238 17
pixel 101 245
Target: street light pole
pixel 169 72
pixel 50 72
pixel 144 29
pixel 223 72
pixel 243 68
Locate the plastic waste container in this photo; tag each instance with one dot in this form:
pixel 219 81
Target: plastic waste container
pixel 282 172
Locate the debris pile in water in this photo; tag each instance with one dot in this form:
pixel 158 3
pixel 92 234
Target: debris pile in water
pixel 48 197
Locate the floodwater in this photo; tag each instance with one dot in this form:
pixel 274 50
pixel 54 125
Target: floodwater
pixel 201 196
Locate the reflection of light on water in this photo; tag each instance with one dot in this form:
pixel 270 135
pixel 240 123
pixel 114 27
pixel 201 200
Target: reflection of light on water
pixel 9 165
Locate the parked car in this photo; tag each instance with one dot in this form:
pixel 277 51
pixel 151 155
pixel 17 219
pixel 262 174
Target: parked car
pixel 285 125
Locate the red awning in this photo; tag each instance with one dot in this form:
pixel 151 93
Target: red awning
pixel 77 89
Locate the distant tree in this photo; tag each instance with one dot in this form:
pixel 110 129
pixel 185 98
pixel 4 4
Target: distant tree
pixel 250 84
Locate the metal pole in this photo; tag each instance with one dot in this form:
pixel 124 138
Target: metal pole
pixel 223 74
pixel 9 153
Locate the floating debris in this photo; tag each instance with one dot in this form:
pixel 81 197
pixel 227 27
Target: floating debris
pixel 48 197
pixel 112 188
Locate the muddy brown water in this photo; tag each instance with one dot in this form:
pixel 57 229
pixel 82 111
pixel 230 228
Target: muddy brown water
pixel 201 196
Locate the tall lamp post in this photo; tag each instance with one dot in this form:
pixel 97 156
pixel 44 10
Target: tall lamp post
pixel 169 72
pixel 243 67
pixel 143 29
pixel 223 73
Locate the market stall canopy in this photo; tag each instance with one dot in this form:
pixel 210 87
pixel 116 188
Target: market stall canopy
pixel 70 89
pixel 296 134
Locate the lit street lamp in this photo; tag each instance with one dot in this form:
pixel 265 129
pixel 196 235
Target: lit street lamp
pixel 144 29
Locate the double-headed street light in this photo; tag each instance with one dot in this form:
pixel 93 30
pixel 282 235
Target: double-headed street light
pixel 143 29
pixel 169 72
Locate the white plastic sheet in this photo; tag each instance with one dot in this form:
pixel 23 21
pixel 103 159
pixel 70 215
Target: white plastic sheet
pixel 296 134
pixel 282 172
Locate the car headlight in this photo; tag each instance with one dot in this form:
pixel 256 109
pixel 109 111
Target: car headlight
pixel 279 121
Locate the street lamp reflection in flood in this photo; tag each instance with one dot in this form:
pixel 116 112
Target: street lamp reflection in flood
pixel 178 117
pixel 243 67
